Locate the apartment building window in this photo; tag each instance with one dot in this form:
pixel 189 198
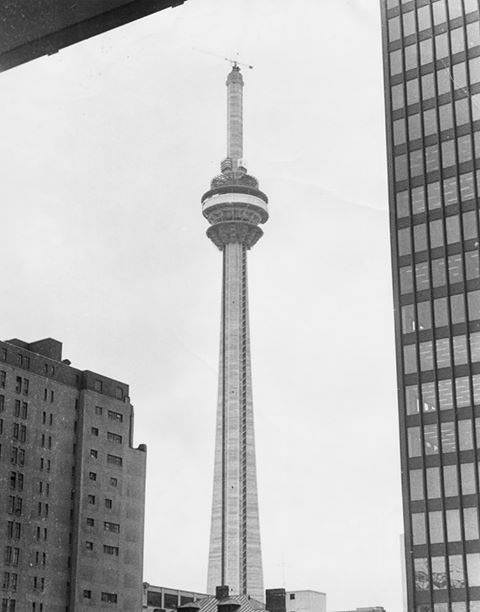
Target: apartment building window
pixel 19 432
pixel 89 545
pixel 114 460
pixel 91 499
pixel 113 437
pixel 109 597
pixel 20 409
pixel 90 522
pixel 115 416
pixel 16 481
pixel 14 530
pixel 92 476
pixel 87 594
pixel 98 385
pixel 11 555
pixel 93 453
pixel 108 503
pixel 2 403
pixel 113 527
pixel 113 481
pixel 9 581
pixel 98 410
pixel 23 361
pixel 14 504
pixel 1 426
pixel 8 605
pixel 3 379
pixel 110 550
pixel 94 431
pixel 22 385
pixel 17 456
pixel 38 583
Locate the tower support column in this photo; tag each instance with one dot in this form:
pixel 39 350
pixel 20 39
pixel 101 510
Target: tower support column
pixel 235 553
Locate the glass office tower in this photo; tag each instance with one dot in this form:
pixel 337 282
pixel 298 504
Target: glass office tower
pixel 432 91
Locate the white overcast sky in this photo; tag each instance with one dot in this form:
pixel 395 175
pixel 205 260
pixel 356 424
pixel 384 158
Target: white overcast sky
pixel 106 149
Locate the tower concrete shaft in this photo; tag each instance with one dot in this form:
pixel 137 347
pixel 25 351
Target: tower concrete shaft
pixel 235 117
pixel 234 207
pixel 235 552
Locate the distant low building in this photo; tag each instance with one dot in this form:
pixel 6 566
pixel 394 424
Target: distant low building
pixel 374 609
pixel 156 598
pixel 222 601
pixel 280 600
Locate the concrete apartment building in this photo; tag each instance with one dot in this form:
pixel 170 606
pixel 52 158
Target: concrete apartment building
pixel 156 598
pixel 72 486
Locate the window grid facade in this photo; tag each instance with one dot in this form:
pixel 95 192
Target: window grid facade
pixel 51 487
pixel 432 81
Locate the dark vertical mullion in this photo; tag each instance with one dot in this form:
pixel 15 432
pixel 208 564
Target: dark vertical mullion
pixel 409 566
pixel 454 386
pixel 467 314
pixel 417 353
pixel 447 282
pixel 434 329
pixel 428 241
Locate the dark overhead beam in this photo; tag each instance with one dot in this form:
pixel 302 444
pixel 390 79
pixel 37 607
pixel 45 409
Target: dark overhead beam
pixel 65 36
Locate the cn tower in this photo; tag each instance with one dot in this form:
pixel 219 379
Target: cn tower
pixel 235 207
